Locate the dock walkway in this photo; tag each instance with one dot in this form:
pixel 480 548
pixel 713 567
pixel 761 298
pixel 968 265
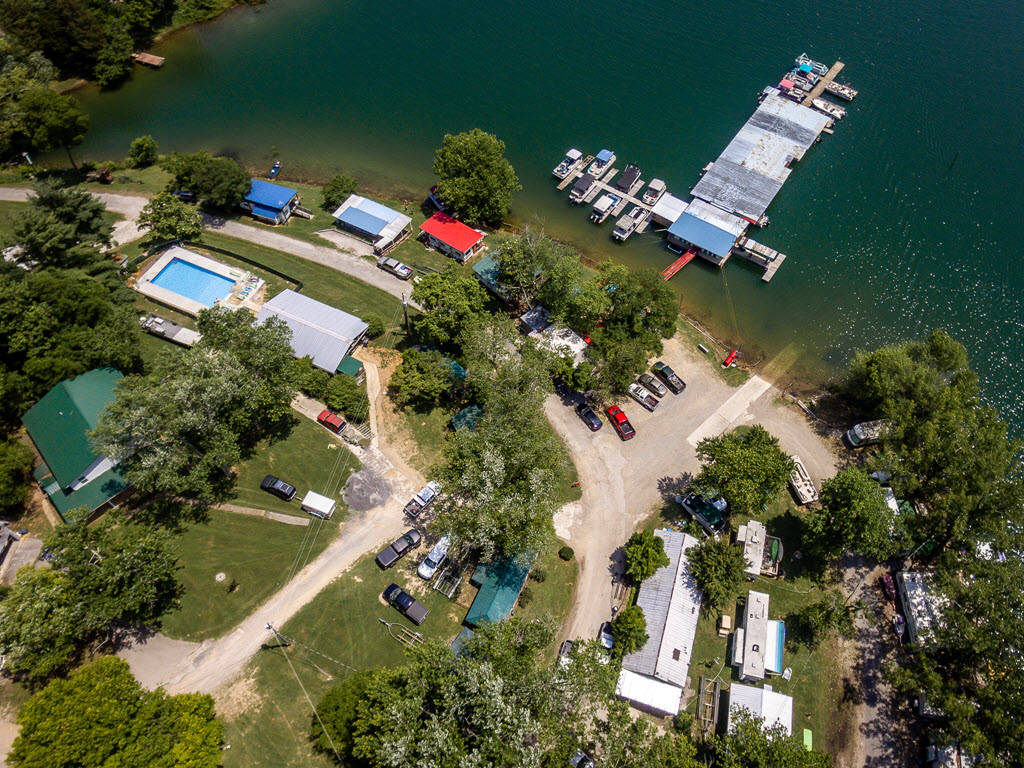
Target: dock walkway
pixel 577 170
pixel 819 87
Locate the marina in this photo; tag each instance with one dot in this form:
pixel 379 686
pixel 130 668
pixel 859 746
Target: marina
pixel 734 191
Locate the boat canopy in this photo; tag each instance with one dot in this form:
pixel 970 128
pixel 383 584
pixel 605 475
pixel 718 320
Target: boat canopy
pixel 574 154
pixel 605 155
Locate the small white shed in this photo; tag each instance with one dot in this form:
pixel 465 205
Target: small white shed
pixel 318 505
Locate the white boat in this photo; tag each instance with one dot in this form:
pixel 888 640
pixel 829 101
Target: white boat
pixel 629 223
pixel 603 207
pixel 801 483
pixel 602 162
pixel 828 108
pixel 654 191
pixel 565 167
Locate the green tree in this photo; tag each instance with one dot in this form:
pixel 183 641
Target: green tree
pixel 343 394
pixel 62 227
pixel 103 578
pixel 625 741
pixel 629 628
pixel 114 58
pixel 750 745
pixel 451 301
pixel 68 32
pixel 51 121
pixel 143 152
pixel 337 190
pixel 572 295
pixel 375 325
pixel 745 466
pixel 853 517
pixel 717 567
pixel 20 72
pixel 421 378
pixel 336 717
pixel 220 182
pixel 169 218
pixel 521 261
pixel 474 176
pixel 100 716
pixel 645 554
pixel 15 471
pixel 815 621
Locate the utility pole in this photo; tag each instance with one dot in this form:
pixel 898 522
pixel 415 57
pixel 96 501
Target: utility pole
pixel 405 311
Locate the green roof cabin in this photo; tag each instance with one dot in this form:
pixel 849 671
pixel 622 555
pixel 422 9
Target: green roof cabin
pixel 72 474
pixel 500 584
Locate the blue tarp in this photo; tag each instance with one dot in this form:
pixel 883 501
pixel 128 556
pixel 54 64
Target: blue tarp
pixel 703 234
pixel 268 195
pixel 362 221
pixel 604 155
pixel 806 67
pixel 265 212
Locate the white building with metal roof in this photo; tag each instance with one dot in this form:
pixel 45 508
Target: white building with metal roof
pixel 758 645
pixel 670 601
pixel 321 332
pixel 752 535
pixel 772 707
pixel 922 606
pixel 382 226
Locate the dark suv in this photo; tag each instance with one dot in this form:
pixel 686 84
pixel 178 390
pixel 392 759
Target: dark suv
pixel 278 487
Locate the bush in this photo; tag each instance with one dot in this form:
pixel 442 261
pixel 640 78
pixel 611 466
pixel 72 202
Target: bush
pixel 343 394
pixel 142 152
pixel 683 722
pixel 337 190
pixel 566 553
pixel 376 325
pixel 538 575
pixel 525 596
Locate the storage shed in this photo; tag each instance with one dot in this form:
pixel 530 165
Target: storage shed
pixel 319 331
pixel 772 707
pixel 384 227
pixel 648 694
pixel 268 202
pixel 500 584
pixel 452 237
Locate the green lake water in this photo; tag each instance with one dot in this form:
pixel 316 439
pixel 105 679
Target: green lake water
pixel 902 221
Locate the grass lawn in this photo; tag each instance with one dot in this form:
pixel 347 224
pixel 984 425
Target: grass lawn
pixel 552 597
pixel 428 430
pixel 342 623
pixel 734 377
pixel 8 212
pixel 257 557
pixel 309 458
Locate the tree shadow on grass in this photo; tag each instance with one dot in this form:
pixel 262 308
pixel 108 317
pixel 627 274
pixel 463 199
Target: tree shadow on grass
pixel 173 514
pixel 800 558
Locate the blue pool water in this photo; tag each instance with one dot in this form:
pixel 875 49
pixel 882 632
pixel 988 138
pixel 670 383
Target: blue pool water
pixel 193 282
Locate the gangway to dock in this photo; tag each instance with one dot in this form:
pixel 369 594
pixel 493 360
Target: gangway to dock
pixel 678 264
pixel 819 87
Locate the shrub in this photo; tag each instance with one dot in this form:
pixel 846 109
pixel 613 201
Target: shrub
pixel 343 394
pixel 525 596
pixel 142 152
pixel 337 190
pixel 376 325
pixel 566 553
pixel 538 575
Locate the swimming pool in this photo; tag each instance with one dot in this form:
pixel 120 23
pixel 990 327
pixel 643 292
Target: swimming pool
pixel 193 282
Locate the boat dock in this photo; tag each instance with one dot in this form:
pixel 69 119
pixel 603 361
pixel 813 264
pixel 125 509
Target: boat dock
pixel 757 253
pixel 678 264
pixel 149 59
pixel 575 172
pixel 842 91
pixel 822 84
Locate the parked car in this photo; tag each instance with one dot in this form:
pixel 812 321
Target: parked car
pixel 604 635
pixel 653 384
pixel 423 499
pixel 408 606
pixel 581 759
pixel 565 651
pixel 587 415
pixel 434 558
pixel 400 546
pixel 332 421
pixel 395 267
pixel 668 376
pixel 642 396
pixel 889 586
pixel 620 423
pixel 278 487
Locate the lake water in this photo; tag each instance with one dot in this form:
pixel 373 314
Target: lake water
pixel 903 221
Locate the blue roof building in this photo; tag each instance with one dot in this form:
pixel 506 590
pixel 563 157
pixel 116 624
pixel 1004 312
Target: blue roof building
pixel 710 230
pixel 270 202
pixel 382 226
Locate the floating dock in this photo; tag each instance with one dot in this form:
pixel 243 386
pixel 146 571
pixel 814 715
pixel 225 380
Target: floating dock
pixel 678 264
pixel 575 172
pixel 149 59
pixel 819 87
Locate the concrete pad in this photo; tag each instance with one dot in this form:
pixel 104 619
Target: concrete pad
pixel 729 411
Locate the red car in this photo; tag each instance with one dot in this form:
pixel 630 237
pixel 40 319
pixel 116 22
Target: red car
pixel 332 421
pixel 620 423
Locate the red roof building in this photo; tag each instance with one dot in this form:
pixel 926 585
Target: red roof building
pixel 452 237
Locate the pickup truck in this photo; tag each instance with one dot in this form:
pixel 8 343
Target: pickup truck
pixel 667 375
pixel 406 604
pixel 399 547
pixel 422 500
pixel 642 396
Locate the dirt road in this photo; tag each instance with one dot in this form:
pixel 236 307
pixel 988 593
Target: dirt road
pixel 623 482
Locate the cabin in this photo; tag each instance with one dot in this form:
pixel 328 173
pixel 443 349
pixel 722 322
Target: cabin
pixel 670 600
pixel 452 238
pixel 499 585
pixel 383 227
pixel 757 645
pixel 77 479
pixel 270 203
pixel 320 332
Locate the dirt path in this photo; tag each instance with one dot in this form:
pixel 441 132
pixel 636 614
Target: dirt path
pixel 622 482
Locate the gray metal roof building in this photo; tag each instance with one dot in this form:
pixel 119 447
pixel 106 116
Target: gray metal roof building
pixel 319 331
pixel 751 170
pixel 670 601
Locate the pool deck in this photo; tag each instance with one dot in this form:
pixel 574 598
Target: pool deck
pixel 145 286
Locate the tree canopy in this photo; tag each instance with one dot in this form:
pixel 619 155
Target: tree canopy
pixel 645 554
pixel 474 176
pixel 15 469
pixel 854 517
pixel 100 717
pixel 421 379
pixel 717 567
pixel 61 227
pixel 219 182
pixel 337 190
pixel 745 466
pixel 143 152
pixel 169 218
pixel 451 300
pixel 629 628
pixel 103 578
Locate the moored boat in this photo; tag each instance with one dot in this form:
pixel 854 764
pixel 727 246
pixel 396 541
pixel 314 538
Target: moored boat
pixel 565 167
pixel 603 207
pixel 628 179
pixel 654 191
pixel 602 162
pixel 274 170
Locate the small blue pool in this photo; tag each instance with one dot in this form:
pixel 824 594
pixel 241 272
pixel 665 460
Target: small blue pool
pixel 193 282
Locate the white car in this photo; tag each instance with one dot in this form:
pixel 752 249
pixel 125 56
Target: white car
pixel 434 558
